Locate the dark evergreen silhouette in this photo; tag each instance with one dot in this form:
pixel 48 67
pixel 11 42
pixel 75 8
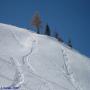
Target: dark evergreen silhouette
pixel 47 30
pixel 58 37
pixel 69 43
pixel 36 22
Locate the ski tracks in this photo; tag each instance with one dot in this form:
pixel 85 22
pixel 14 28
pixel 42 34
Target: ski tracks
pixel 68 71
pixel 19 77
pixel 48 85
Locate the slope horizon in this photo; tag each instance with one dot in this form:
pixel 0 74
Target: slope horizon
pixel 68 18
pixel 43 34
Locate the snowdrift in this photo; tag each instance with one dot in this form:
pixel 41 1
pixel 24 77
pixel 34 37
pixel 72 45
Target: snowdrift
pixel 36 62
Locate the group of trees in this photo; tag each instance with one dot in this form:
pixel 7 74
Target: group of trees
pixel 36 22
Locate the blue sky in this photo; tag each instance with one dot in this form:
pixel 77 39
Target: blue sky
pixel 70 18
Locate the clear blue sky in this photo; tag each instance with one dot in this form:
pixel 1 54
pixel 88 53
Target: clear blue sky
pixel 68 17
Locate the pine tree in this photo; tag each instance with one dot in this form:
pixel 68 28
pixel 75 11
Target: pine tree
pixel 47 30
pixel 69 43
pixel 36 22
pixel 58 37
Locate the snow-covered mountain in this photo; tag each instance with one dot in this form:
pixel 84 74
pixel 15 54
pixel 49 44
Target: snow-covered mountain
pixel 36 62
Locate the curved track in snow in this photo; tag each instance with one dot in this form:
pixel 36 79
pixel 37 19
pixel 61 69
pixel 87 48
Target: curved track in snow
pixel 69 72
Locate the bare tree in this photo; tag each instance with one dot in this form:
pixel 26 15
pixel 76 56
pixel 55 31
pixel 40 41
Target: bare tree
pixel 36 21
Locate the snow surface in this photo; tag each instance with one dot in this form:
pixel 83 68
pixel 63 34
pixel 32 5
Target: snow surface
pixel 36 62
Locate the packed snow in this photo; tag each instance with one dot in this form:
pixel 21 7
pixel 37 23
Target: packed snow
pixel 29 61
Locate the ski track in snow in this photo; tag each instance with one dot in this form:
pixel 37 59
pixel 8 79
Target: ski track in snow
pixel 3 75
pixel 69 72
pixel 15 37
pixel 19 77
pixel 25 58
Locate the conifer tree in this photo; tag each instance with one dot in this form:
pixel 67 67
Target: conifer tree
pixel 47 30
pixel 69 43
pixel 36 22
pixel 58 37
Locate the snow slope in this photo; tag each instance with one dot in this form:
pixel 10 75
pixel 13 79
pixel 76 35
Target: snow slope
pixel 36 62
